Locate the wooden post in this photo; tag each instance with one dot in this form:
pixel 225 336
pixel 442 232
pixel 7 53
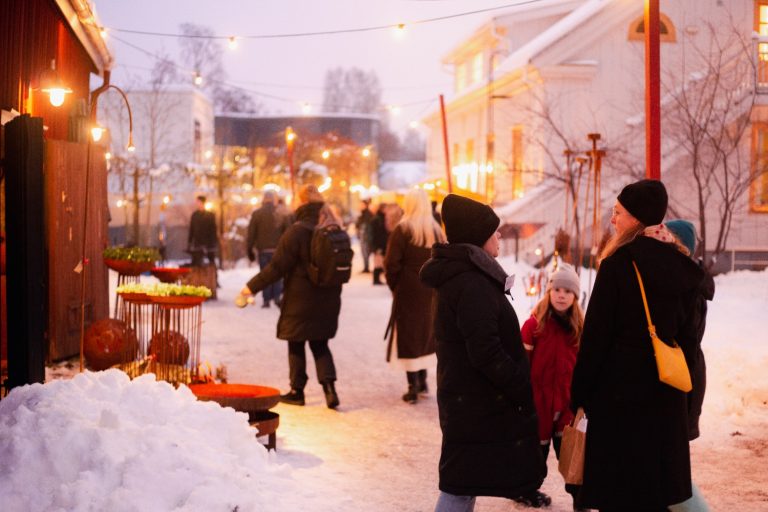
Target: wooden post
pixel 652 92
pixel 445 146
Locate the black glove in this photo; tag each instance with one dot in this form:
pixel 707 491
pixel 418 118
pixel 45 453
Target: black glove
pixel 251 255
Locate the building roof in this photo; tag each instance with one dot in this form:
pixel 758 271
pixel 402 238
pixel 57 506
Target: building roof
pixel 251 130
pixel 83 21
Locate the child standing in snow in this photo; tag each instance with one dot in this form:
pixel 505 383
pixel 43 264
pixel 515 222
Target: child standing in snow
pixel 551 340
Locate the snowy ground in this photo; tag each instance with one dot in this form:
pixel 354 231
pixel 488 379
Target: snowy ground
pixel 378 453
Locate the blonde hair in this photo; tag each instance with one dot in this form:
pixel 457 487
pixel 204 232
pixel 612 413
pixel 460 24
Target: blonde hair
pixel 617 241
pixel 543 311
pixel 418 220
pixel 309 194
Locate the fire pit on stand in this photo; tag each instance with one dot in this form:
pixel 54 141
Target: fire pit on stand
pixel 256 401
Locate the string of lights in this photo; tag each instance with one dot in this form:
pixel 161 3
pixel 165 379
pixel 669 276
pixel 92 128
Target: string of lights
pixel 232 39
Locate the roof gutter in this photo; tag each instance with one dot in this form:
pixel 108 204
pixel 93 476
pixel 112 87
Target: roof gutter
pixel 82 20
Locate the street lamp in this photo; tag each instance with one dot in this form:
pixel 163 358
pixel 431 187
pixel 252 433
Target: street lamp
pixel 290 138
pixel 92 121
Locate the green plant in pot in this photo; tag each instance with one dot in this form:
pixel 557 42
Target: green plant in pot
pixel 130 261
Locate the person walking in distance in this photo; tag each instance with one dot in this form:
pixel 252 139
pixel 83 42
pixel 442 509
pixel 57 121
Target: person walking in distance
pixel 265 228
pixel 551 340
pixel 363 228
pixel 202 240
pixel 379 236
pixel 309 312
pixel 637 456
pixel 485 403
pixel 411 341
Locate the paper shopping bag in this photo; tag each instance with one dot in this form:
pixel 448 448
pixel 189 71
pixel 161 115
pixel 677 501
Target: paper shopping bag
pixel 571 464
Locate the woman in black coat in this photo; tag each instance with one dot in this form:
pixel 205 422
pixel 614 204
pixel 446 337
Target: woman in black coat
pixel 487 417
pixel 308 312
pixel 637 437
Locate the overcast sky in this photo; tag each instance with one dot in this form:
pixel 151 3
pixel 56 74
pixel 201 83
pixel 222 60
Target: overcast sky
pixel 409 66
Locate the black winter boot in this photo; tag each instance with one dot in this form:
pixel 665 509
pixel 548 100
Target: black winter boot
pixel 331 398
pixel 423 389
pixel 377 276
pixel 293 397
pixel 412 395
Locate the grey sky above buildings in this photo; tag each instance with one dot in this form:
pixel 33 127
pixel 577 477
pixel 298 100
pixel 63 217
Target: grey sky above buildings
pixel 293 68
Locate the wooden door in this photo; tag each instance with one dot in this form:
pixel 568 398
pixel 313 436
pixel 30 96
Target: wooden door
pixel 65 187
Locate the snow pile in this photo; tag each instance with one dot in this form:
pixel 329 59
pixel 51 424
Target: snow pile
pixel 103 442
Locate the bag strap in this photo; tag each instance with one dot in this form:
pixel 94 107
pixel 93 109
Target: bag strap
pixel 651 327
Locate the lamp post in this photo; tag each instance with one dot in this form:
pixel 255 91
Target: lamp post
pixel 652 91
pixel 290 138
pixel 83 260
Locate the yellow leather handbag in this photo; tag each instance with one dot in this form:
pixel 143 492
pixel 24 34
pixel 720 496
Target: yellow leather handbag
pixel 670 360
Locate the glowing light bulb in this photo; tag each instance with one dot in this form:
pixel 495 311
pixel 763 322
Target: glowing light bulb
pixel 326 154
pixel 232 43
pixel 57 96
pixel 366 152
pixel 96 132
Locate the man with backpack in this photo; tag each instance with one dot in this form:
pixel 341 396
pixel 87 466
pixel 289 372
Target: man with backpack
pixel 314 258
pixel 264 230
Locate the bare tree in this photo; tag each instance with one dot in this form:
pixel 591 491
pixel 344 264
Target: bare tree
pixel 351 90
pixel 201 52
pixel 709 120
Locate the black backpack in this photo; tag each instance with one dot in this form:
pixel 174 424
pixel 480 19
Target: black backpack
pixel 330 256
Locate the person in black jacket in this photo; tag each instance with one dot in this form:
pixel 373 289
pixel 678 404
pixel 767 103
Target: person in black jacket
pixel 266 227
pixel 637 456
pixel 379 238
pixel 485 402
pixel 202 240
pixel 363 228
pixel 308 312
pixel 686 234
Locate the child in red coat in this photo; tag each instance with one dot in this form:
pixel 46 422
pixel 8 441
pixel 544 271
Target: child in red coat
pixel 551 340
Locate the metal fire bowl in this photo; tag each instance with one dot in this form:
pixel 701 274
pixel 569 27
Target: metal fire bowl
pixel 241 397
pixel 265 421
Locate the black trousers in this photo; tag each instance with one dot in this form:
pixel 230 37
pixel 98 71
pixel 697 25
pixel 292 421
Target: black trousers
pixel 297 362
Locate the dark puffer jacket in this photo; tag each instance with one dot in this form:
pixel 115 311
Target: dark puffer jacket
pixel 308 312
pixel 637 454
pixel 490 440
pixel 698 365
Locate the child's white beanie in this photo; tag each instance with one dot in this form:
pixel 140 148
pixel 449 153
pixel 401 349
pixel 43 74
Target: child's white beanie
pixel 565 277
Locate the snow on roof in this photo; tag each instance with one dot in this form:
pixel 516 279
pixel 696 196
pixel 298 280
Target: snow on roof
pixel 522 57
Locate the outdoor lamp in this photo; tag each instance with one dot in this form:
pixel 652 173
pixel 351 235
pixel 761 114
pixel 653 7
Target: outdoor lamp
pixel 51 84
pixel 290 135
pixel 96 132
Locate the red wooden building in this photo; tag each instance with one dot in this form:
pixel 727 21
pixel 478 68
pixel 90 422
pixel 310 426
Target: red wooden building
pixel 46 171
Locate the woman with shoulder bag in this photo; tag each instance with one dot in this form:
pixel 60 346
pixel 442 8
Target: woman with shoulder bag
pixel 637 454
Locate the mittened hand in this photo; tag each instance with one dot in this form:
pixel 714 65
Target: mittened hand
pixel 243 300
